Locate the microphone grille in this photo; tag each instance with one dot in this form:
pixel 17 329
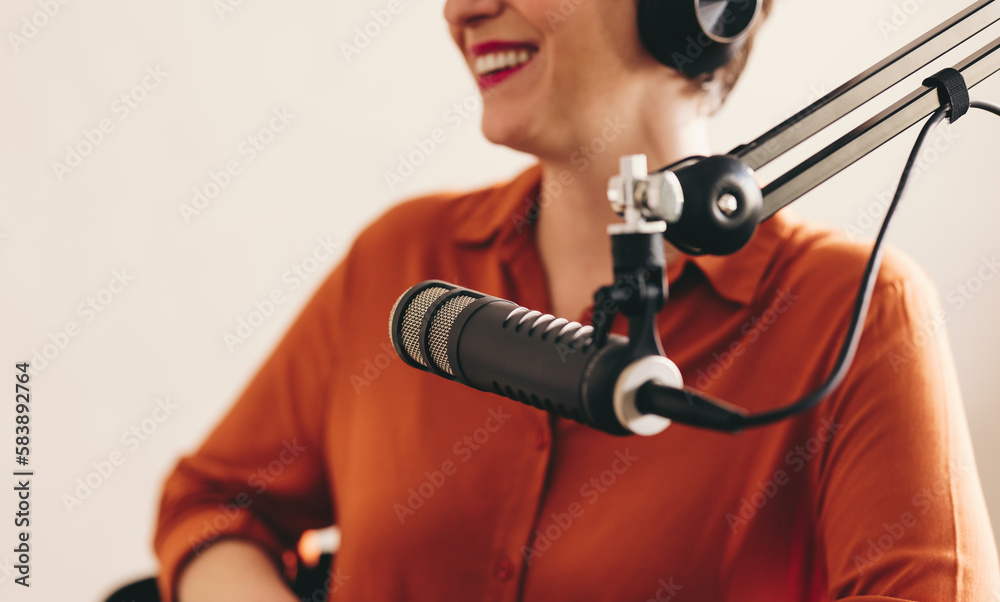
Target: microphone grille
pixel 440 328
pixel 413 315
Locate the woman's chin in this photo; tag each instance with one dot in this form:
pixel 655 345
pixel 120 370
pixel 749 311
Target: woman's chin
pixel 507 132
pixel 497 131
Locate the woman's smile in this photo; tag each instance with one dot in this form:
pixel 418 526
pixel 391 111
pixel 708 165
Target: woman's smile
pixel 496 60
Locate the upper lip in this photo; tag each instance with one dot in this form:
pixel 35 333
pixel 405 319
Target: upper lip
pixel 498 46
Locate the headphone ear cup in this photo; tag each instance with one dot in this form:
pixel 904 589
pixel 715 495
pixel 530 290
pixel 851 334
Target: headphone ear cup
pixel 695 36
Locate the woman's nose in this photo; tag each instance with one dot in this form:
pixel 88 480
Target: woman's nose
pixel 460 13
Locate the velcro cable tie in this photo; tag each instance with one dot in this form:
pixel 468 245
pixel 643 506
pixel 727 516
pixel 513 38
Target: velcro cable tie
pixel 952 91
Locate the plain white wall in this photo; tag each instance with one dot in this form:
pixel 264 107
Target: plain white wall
pixel 223 67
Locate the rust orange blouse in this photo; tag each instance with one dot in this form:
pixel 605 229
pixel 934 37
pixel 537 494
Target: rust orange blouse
pixel 446 493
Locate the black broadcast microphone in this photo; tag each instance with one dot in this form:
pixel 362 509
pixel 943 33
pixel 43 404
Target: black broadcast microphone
pixel 494 345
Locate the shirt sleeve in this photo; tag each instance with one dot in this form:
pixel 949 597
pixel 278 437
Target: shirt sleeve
pixel 900 509
pixel 260 475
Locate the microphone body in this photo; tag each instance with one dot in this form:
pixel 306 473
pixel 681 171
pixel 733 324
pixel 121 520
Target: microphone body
pixel 494 345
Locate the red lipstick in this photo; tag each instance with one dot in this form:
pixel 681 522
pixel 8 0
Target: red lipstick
pixel 499 47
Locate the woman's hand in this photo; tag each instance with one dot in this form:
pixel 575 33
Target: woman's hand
pixel 233 569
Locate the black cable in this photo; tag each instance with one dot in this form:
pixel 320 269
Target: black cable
pixel 690 407
pixel 985 106
pixel 863 299
pixel 867 287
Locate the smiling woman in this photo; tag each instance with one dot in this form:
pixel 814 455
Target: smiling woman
pixel 445 493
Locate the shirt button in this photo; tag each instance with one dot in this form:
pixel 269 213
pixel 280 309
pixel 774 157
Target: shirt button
pixel 504 569
pixel 541 440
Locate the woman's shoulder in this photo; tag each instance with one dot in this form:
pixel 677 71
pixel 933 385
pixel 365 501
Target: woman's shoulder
pixel 819 254
pixel 427 212
pixel 440 217
pixel 427 236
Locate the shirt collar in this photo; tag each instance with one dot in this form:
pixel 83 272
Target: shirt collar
pixel 499 213
pixel 737 277
pixel 507 207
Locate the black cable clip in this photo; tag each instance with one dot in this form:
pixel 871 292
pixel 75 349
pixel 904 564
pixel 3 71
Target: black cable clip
pixel 952 91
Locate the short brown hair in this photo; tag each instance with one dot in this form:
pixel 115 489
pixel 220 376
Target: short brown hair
pixel 719 83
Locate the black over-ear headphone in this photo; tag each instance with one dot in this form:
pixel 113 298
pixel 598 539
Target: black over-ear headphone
pixel 695 36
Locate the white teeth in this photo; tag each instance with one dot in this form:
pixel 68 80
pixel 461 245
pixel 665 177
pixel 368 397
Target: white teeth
pixel 495 61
